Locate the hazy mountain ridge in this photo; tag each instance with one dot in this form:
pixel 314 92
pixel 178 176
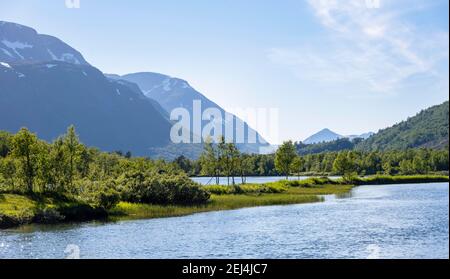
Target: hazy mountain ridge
pixel 47 85
pixel 174 93
pixel 326 135
pixel 48 97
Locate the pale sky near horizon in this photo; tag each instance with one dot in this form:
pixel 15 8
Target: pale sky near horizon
pixel 337 64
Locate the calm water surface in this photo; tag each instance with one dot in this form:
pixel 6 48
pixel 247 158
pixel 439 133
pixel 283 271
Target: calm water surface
pixel 392 221
pixel 251 179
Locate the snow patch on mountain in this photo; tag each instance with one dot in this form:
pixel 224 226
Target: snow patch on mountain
pixel 166 85
pixel 15 46
pixel 7 52
pixel 65 57
pixel 5 65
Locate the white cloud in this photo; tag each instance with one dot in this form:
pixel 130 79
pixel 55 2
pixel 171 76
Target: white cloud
pixel 377 48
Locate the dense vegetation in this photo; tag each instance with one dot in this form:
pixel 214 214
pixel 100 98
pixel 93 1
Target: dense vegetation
pixel 223 160
pixel 331 146
pixel 67 168
pixel 428 129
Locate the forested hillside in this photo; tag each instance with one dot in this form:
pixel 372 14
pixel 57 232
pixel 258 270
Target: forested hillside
pixel 427 129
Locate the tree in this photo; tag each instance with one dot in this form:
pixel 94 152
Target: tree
pixel 8 170
pixel 72 146
pixel 284 157
pixel 344 164
pixel 297 165
pixel 246 164
pixel 230 160
pixel 184 163
pixel 25 148
pixel 209 161
pixel 58 163
pixel 5 143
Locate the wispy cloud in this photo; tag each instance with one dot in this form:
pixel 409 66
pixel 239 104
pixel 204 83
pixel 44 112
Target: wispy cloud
pixel 378 48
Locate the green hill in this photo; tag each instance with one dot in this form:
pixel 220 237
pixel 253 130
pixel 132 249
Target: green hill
pixel 428 129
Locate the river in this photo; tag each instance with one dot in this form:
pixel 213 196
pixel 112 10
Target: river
pixel 250 179
pixel 390 221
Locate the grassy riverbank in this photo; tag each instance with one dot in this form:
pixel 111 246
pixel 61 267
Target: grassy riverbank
pixel 19 209
pixel 16 210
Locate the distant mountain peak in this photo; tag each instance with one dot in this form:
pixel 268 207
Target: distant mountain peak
pixel 325 135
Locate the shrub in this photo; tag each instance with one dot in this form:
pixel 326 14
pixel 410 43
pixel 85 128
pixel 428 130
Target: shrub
pixel 161 189
pixel 100 194
pixel 269 188
pixel 310 182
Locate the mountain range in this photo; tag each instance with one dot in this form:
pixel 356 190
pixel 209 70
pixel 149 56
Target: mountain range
pixel 47 85
pixel 427 129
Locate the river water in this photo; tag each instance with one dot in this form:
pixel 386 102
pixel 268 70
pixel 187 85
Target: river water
pixel 251 179
pixel 391 221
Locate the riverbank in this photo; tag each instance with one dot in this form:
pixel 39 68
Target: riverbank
pixel 251 196
pixel 16 210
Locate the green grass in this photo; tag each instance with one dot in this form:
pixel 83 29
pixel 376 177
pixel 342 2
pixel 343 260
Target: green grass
pixel 18 210
pixel 401 179
pixel 217 203
pixel 17 206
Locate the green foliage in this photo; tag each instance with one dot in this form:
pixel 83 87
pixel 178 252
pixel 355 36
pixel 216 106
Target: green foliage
pixel 387 179
pixel 25 148
pixel 297 165
pixel 428 129
pixel 308 183
pixel 161 189
pixel 332 146
pixel 284 157
pixel 69 169
pixel 5 143
pixel 268 188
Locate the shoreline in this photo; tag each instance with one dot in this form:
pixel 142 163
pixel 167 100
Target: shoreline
pixel 18 210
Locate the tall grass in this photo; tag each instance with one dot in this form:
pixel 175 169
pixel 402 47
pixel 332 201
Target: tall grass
pixel 401 179
pixel 218 203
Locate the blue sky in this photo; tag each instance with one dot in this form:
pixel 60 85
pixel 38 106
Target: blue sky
pixel 334 64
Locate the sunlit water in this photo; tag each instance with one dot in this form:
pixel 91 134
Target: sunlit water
pixel 251 179
pixel 401 221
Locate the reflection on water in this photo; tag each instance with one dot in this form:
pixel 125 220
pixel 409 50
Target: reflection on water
pixel 401 221
pixel 344 195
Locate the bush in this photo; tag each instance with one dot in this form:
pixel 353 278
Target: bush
pixel 310 182
pixel 100 194
pixel 161 189
pixel 269 188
